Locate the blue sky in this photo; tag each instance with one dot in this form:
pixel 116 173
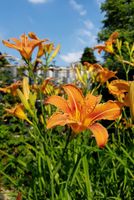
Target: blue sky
pixel 72 23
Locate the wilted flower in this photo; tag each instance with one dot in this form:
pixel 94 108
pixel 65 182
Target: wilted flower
pixel 81 113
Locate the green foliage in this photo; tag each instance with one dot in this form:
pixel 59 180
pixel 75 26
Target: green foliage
pixel 118 16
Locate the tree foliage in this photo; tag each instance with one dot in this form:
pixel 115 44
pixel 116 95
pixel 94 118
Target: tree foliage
pixel 118 15
pixel 88 56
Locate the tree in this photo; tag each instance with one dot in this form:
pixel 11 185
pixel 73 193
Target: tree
pixel 118 16
pixel 88 56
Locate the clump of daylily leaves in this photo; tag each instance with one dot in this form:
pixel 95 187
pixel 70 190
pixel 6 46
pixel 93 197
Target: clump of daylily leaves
pixel 78 111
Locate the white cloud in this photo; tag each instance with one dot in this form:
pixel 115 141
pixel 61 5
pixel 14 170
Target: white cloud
pixel 87 34
pixel 38 1
pixel 84 32
pixel 88 24
pixel 78 7
pixel 82 41
pixel 99 2
pixel 71 57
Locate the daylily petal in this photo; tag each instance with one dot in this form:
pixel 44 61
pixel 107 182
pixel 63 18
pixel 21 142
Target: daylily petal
pixel 16 41
pixel 75 97
pixel 100 48
pixel 7 44
pixel 110 110
pixel 77 128
pixel 32 35
pixel 58 119
pixel 117 87
pixel 105 74
pixel 100 133
pixel 59 102
pixel 91 101
pixel 41 46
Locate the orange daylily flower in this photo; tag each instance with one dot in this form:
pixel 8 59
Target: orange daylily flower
pixel 11 88
pixel 81 113
pixel 124 91
pixel 24 45
pixel 108 45
pixel 119 89
pixel 104 75
pixel 41 46
pixel 45 48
